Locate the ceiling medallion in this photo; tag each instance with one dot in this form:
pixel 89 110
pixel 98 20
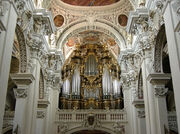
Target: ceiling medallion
pixel 58 20
pixel 122 19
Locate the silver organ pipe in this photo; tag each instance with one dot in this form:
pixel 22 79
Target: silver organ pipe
pixel 107 82
pixel 66 87
pixel 91 66
pixel 116 87
pixel 76 82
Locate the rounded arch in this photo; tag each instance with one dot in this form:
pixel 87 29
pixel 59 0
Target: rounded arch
pixel 140 85
pixel 22 49
pixel 99 129
pixel 99 26
pixel 158 52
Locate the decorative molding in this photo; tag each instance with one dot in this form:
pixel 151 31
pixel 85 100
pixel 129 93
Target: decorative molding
pixel 43 22
pixel 41 114
pixel 119 128
pixel 4 7
pixel 20 92
pixel 43 103
pixel 76 28
pixel 91 122
pixel 62 128
pixel 138 103
pixel 20 5
pixel 79 10
pixel 22 48
pixel 159 78
pixel 160 41
pixel 22 79
pixel 160 91
pixel 137 21
pixel 141 114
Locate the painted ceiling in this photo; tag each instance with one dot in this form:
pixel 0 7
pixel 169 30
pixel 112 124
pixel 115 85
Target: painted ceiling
pixel 90 2
pixel 90 37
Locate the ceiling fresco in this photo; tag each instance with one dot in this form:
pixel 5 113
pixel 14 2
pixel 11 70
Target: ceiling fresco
pixel 90 37
pixel 90 2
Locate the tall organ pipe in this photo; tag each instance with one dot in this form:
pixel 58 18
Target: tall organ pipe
pixel 66 87
pixel 76 82
pixel 107 82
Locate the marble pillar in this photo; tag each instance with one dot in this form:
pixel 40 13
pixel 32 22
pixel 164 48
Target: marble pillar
pixel 128 108
pixel 22 82
pixel 8 18
pixel 172 24
pixel 158 80
pixel 141 121
pixel 33 98
pixel 51 111
pixel 149 99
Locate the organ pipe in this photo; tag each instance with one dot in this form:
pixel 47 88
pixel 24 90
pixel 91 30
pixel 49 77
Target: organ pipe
pixel 66 87
pixel 76 82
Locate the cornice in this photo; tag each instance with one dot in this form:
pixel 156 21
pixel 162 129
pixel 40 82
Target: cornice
pixel 98 9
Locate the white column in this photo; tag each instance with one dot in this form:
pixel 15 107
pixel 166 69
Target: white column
pixel 139 114
pixel 52 107
pixel 8 21
pixel 151 126
pixel 33 99
pixel 141 121
pixel 159 80
pixel 21 92
pixel 128 109
pixel 41 121
pixel 133 111
pixel 172 25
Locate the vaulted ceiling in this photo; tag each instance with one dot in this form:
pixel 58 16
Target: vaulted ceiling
pixel 90 2
pixel 91 37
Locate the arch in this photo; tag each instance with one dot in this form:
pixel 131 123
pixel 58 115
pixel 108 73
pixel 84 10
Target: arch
pixel 160 41
pixel 22 48
pixel 41 85
pixel 140 85
pixel 100 26
pixel 81 129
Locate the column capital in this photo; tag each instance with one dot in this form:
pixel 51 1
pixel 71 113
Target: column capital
pixel 43 22
pixel 20 92
pixel 137 21
pixel 141 113
pixel 22 79
pixel 41 114
pixel 160 91
pixel 159 78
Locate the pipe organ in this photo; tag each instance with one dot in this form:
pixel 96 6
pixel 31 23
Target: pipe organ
pixel 91 79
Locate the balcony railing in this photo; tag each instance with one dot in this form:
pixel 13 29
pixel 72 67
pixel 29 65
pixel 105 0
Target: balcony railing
pixel 101 115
